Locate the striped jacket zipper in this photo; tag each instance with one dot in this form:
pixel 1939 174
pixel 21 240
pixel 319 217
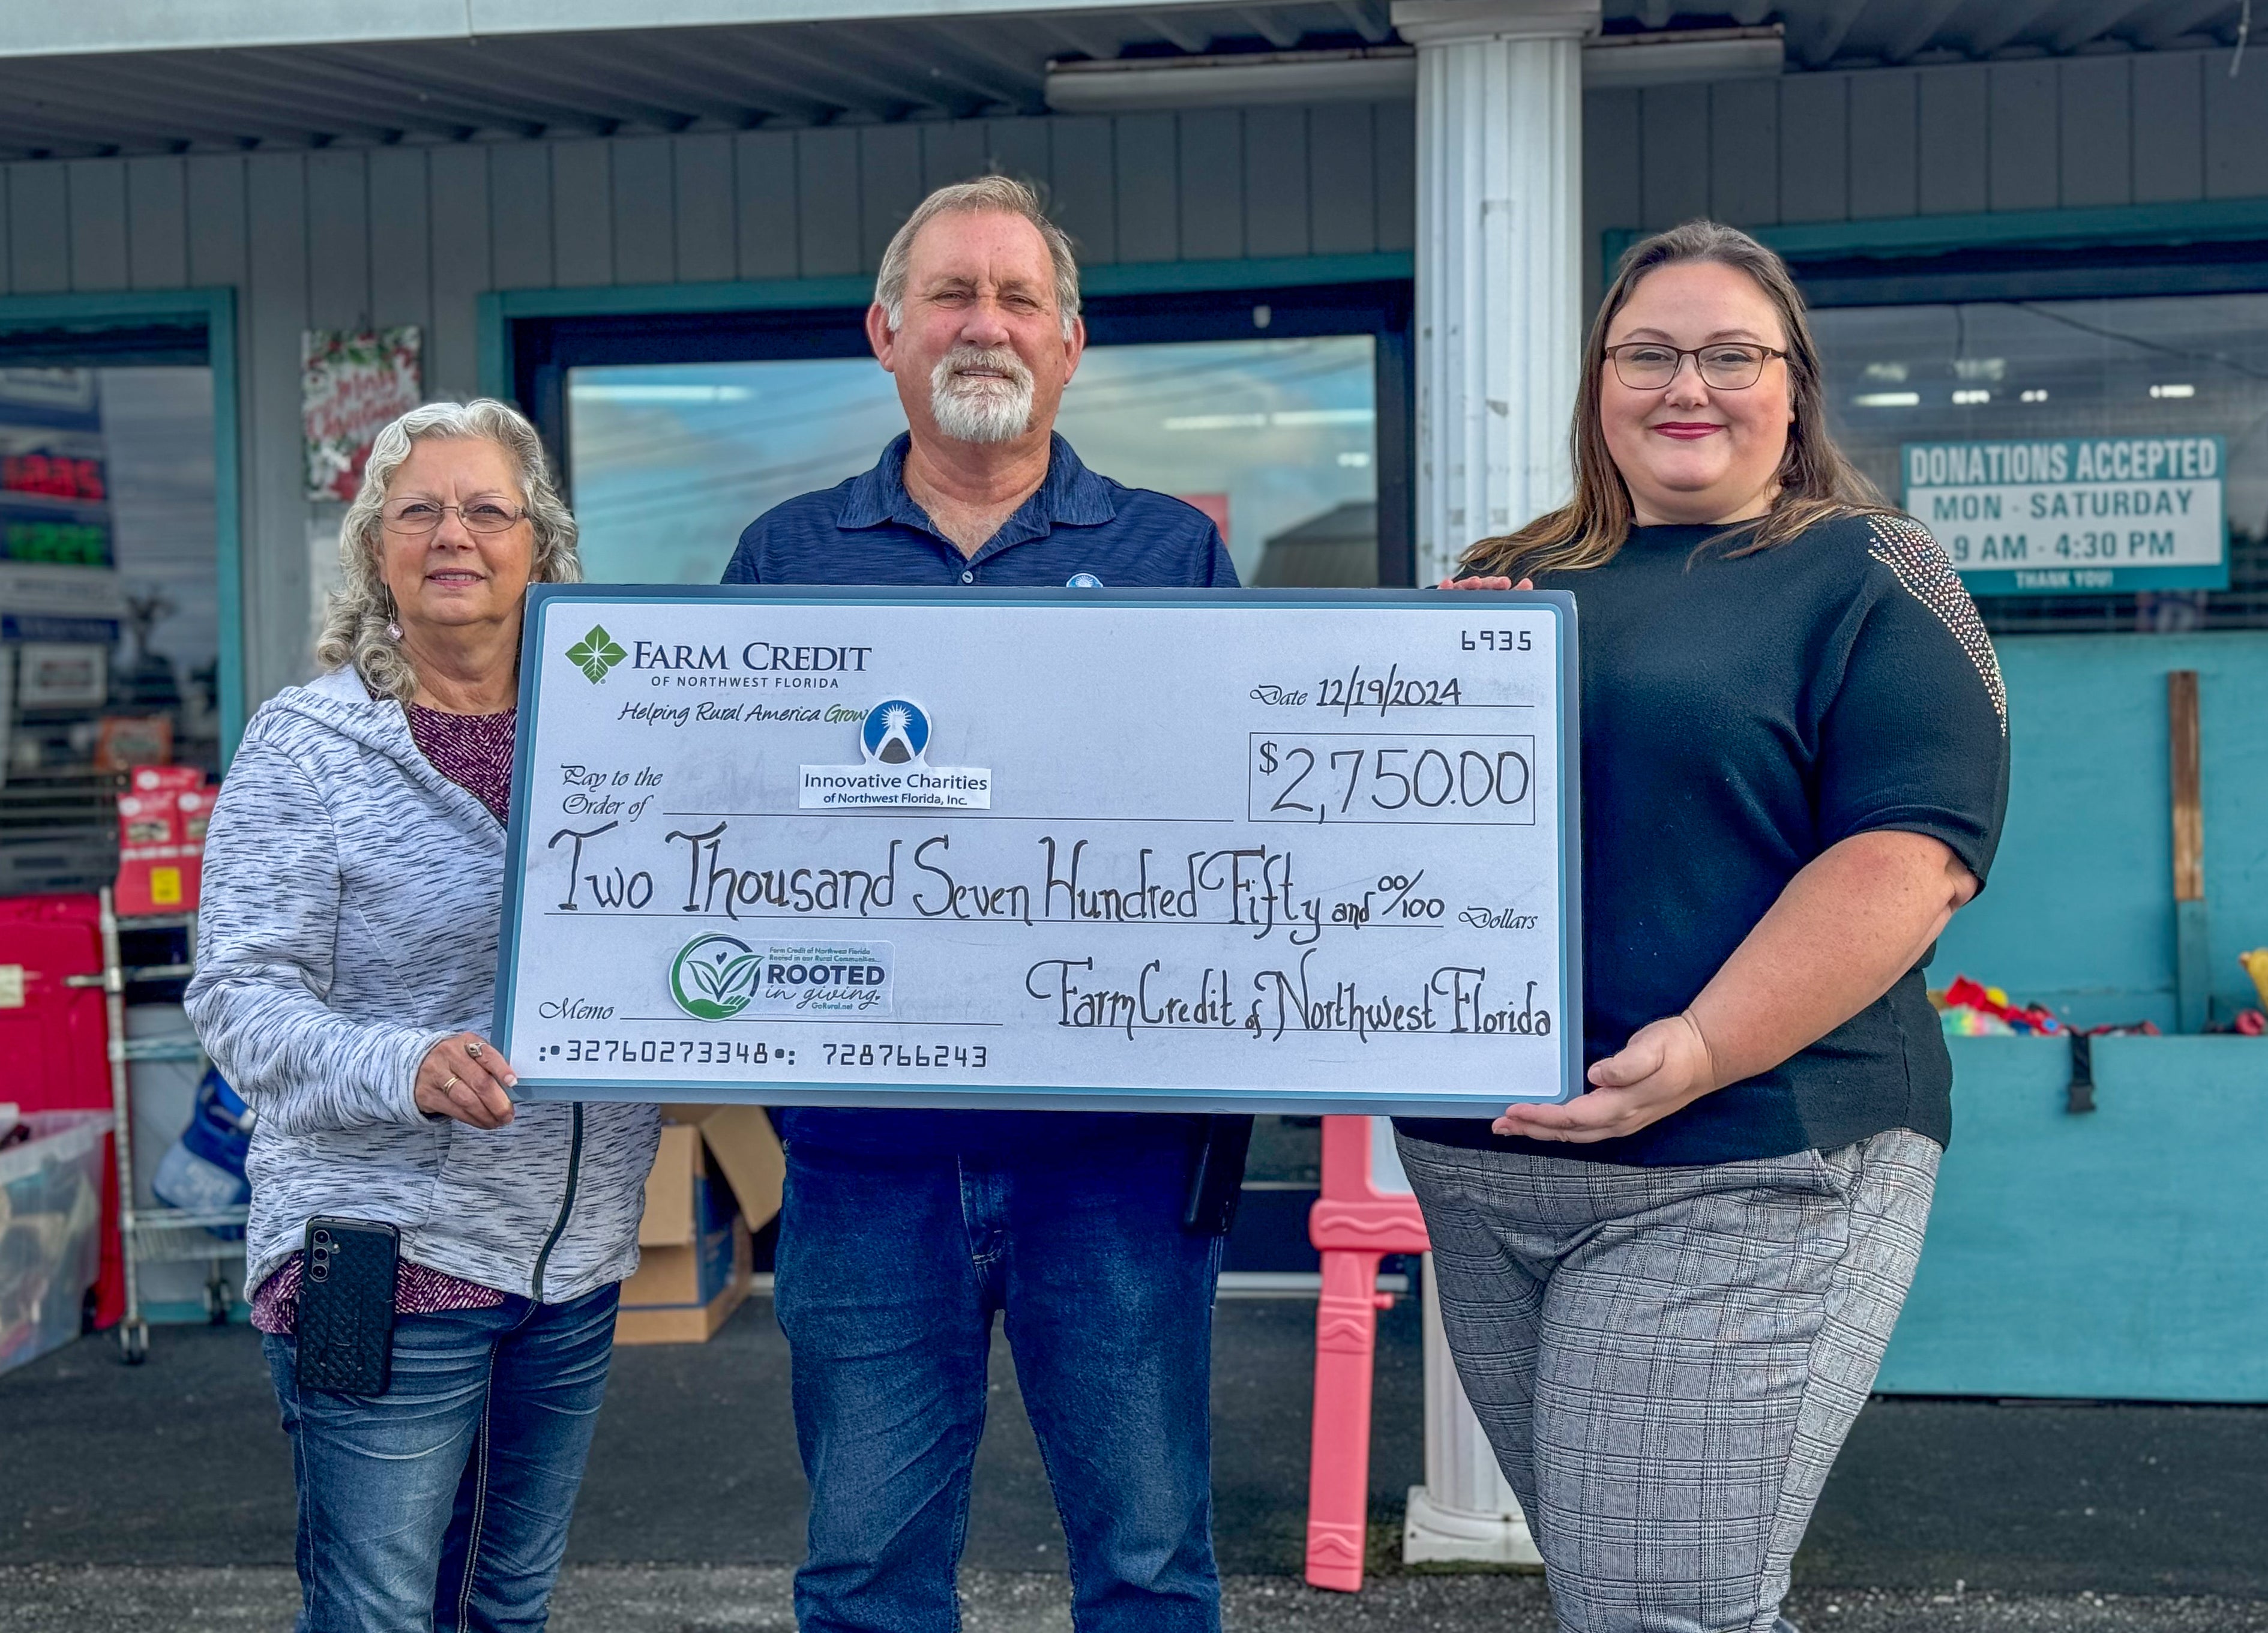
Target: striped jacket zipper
pixel 566 1202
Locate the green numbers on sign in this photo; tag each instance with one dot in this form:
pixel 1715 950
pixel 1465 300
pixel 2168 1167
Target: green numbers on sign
pixel 72 544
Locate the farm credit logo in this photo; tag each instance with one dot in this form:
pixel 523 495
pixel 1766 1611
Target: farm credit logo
pixel 895 737
pixel 596 653
pixel 716 977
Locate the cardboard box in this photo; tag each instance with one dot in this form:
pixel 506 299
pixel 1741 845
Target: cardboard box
pixel 154 879
pixel 194 807
pixel 122 742
pixel 717 1174
pixel 153 819
pixel 165 779
pixel 161 841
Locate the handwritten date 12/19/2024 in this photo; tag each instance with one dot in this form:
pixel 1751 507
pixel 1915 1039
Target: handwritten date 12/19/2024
pixel 1355 690
pixel 1394 690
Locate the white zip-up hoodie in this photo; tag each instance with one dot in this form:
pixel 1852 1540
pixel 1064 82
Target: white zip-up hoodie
pixel 352 903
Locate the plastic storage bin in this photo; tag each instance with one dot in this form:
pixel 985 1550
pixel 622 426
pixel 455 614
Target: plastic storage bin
pixel 50 1230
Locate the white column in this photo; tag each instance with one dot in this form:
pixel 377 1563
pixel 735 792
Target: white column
pixel 1499 260
pixel 1464 1511
pixel 1499 332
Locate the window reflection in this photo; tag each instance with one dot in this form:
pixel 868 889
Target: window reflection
pixel 109 616
pixel 2174 366
pixel 1275 439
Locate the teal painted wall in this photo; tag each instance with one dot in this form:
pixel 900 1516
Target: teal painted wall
pixel 2117 1255
pixel 2122 1254
pixel 2079 913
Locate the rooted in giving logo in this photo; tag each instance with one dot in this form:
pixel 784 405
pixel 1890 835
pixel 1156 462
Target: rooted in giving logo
pixel 596 653
pixel 714 977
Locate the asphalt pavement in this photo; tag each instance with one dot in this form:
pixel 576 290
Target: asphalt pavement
pixel 160 1496
pixel 755 1598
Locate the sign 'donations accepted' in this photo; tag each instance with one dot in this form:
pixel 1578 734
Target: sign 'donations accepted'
pixel 2077 515
pixel 1103 849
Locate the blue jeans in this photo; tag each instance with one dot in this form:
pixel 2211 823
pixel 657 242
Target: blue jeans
pixel 443 1503
pixel 890 1270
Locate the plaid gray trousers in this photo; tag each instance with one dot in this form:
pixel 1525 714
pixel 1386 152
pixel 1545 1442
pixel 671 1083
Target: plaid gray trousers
pixel 1667 1360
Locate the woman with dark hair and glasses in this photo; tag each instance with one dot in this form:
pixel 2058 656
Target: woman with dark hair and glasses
pixel 346 964
pixel 1667 1297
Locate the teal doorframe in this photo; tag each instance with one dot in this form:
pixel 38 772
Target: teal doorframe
pixel 499 307
pixel 2205 222
pixel 215 310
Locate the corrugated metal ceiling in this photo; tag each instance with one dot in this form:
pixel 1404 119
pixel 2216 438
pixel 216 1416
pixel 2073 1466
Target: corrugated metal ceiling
pixel 812 73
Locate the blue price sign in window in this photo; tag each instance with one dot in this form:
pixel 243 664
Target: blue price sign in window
pixel 2074 515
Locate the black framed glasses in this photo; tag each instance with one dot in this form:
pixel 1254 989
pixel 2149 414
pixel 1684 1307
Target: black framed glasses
pixel 1649 366
pixel 424 516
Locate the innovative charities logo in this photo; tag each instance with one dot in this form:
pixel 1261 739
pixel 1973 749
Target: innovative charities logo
pixel 596 653
pixel 896 733
pixel 895 737
pixel 716 977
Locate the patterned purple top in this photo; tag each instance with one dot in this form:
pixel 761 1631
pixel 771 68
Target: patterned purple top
pixel 418 1290
pixel 474 752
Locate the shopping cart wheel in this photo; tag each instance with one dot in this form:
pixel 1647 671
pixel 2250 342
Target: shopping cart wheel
pixel 134 1343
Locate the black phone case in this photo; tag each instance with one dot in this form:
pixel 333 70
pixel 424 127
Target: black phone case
pixel 346 1306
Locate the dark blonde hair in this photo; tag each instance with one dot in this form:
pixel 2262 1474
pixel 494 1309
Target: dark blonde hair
pixel 1817 480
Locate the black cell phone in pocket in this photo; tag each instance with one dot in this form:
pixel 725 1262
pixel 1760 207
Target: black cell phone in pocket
pixel 346 1306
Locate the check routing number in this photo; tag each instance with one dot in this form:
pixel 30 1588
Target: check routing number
pixel 1132 850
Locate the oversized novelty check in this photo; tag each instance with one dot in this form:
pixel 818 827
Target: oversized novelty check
pixel 1195 849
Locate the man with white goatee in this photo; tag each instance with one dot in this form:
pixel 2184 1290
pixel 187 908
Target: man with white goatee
pixel 1096 1235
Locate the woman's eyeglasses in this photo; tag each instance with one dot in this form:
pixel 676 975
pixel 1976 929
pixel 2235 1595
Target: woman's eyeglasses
pixel 1647 365
pixel 424 516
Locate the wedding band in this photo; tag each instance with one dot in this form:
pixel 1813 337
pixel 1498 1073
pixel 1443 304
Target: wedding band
pixel 450 1083
pixel 473 1048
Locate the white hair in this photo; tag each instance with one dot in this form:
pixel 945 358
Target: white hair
pixel 979 407
pixel 1003 195
pixel 359 616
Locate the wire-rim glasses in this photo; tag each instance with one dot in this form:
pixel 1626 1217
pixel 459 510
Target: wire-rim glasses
pixel 1649 366
pixel 416 516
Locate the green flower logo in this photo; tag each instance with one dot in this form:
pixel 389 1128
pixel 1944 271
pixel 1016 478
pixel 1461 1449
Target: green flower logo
pixel 714 977
pixel 596 653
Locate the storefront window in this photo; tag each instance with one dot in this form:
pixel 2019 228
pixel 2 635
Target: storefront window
pixel 1275 439
pixel 2156 408
pixel 109 612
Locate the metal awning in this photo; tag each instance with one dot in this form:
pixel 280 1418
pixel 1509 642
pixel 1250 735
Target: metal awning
pixel 84 80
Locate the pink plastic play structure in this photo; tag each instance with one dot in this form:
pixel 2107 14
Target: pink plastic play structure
pixel 1353 1224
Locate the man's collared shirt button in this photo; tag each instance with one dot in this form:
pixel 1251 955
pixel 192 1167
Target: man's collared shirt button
pixel 969 578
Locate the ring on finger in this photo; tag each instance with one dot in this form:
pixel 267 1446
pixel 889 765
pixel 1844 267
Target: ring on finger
pixel 450 1083
pixel 473 1048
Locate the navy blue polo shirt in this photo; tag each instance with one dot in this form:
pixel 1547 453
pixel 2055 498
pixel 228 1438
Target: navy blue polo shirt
pixel 1078 527
pixel 869 530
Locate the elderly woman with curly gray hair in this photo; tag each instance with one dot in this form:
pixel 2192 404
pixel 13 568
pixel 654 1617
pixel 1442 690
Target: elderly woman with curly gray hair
pixel 346 959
